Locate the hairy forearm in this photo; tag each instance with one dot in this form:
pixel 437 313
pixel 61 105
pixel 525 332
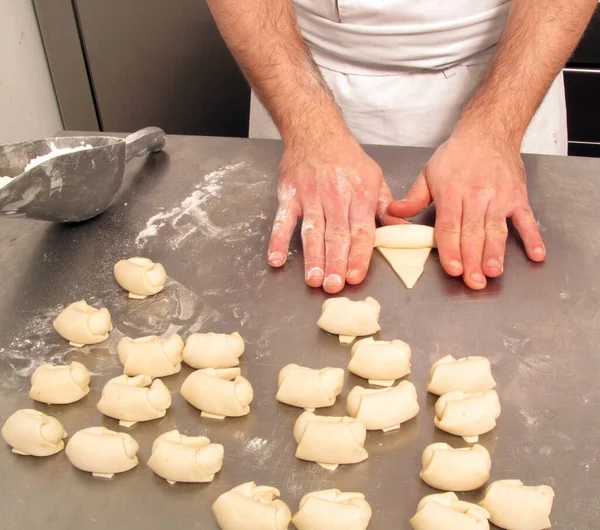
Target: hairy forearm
pixel 263 36
pixel 539 37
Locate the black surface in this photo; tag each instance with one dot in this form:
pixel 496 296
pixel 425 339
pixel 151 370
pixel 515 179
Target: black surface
pixel 588 52
pixel 162 63
pixel 582 90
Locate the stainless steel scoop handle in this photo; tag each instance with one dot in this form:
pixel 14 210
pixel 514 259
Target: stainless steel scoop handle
pixel 144 141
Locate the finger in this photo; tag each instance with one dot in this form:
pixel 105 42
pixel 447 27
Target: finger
pixel 472 240
pixel 337 246
pixel 283 227
pixel 414 202
pixel 448 221
pixel 313 243
pixel 495 243
pixel 383 214
pixel 362 238
pixel 525 223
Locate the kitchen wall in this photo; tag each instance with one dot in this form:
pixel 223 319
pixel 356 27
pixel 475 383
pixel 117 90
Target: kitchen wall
pixel 28 107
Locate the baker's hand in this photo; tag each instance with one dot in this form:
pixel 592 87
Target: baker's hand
pixel 338 190
pixel 476 183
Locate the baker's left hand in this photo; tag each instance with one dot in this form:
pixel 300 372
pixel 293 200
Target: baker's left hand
pixel 476 183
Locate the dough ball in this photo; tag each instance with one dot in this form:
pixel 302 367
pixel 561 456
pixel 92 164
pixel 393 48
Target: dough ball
pixel 31 432
pixel 140 276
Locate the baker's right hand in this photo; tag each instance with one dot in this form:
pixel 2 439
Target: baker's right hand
pixel 338 190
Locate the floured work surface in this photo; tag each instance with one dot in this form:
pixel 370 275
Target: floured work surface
pixel 204 210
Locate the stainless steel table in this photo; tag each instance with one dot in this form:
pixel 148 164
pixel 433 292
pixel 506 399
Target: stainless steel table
pixel 204 209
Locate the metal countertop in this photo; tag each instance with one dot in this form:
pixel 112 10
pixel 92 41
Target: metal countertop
pixel 204 209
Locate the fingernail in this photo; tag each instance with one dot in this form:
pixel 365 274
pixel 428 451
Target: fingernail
pixel 539 251
pixel 494 263
pixel 275 258
pixel 352 274
pixel 477 277
pixel 314 272
pixel 333 279
pixel 455 264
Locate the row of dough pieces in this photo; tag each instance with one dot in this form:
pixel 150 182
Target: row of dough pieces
pixel 175 457
pixel 93 325
pixel 443 467
pixel 468 406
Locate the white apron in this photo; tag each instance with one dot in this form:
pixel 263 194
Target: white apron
pixel 401 70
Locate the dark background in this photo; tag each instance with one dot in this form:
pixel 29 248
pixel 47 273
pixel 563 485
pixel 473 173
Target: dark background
pixel 120 66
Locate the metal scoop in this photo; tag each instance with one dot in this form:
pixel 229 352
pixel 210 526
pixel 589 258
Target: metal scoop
pixel 73 186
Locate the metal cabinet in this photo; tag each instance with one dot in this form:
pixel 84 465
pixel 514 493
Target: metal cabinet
pixel 120 66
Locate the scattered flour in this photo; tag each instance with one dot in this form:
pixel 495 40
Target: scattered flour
pixel 5 181
pixel 54 152
pixel 513 345
pixel 193 214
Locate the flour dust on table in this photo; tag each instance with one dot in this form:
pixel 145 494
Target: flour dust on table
pixel 198 214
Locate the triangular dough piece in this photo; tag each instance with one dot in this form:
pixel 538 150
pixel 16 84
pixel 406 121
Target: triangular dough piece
pixel 408 263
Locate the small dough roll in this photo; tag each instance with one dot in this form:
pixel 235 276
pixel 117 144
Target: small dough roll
pixel 467 415
pixel 330 440
pixel 59 385
pixel 133 399
pixel 333 510
pixel 349 319
pixel 470 374
pixel 405 236
pixel 380 361
pixel 513 506
pixel 31 432
pixel 213 350
pixel 251 507
pixel 83 324
pixel 384 408
pixel 140 276
pixel 307 388
pixel 151 355
pixel 449 469
pixel 179 458
pixel 210 391
pixel 443 511
pixel 102 452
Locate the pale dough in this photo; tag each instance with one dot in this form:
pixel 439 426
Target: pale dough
pixel 251 507
pixel 212 392
pixel 407 263
pixel 405 236
pixel 513 506
pixel 213 350
pixel 350 319
pixel 384 408
pixel 83 324
pixel 380 361
pixel 443 511
pixel 333 510
pixel 31 432
pixel 102 452
pixel 151 355
pixel 179 458
pixel 330 440
pixel 469 374
pixel 467 415
pixel 307 388
pixel 133 399
pixel 449 469
pixel 59 385
pixel 140 276
pixel 406 248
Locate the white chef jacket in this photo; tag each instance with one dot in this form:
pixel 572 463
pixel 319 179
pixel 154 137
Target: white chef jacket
pixel 401 70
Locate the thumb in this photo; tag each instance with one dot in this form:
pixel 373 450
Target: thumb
pixel 414 202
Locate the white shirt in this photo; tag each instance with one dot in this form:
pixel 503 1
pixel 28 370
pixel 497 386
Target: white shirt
pixel 379 37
